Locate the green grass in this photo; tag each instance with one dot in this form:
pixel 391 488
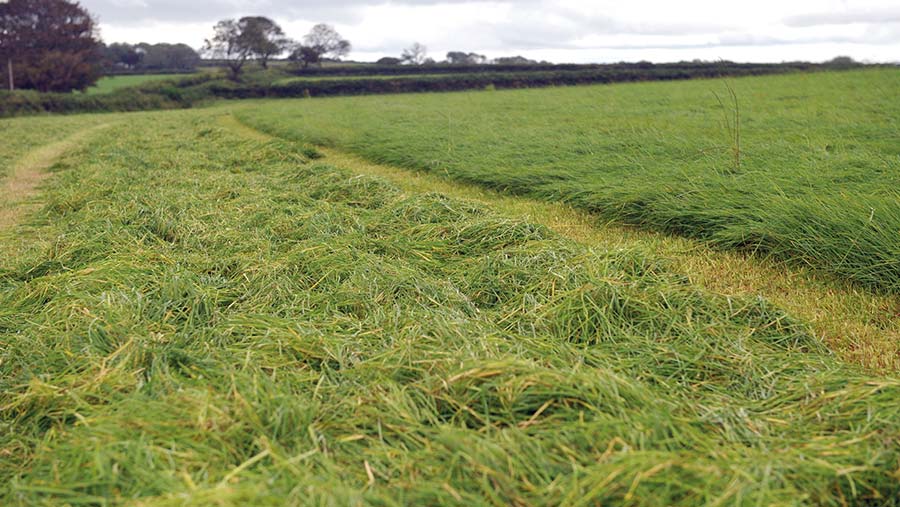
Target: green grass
pixel 302 79
pixel 860 327
pixel 817 183
pixel 19 136
pixel 110 84
pixel 197 317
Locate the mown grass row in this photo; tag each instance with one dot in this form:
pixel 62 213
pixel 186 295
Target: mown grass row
pixel 197 318
pixel 815 182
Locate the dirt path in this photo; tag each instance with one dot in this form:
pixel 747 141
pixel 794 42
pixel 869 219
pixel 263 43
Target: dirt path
pixel 20 185
pixel 859 326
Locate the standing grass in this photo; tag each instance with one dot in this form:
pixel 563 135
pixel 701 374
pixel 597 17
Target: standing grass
pixel 813 179
pixel 200 318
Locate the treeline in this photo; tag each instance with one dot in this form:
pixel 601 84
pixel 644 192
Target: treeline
pixel 187 92
pixel 53 46
pixel 49 46
pixel 122 58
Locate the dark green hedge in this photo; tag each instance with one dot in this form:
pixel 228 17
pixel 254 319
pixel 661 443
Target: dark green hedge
pixel 189 91
pixel 174 94
pixel 337 86
pixel 696 69
pixel 410 84
pixel 30 102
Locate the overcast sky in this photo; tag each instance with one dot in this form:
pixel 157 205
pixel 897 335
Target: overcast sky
pixel 559 31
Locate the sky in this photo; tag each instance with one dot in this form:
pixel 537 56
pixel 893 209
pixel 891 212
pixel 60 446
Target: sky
pixel 577 31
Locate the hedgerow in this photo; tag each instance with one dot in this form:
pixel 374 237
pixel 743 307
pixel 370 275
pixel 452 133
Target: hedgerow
pixel 203 87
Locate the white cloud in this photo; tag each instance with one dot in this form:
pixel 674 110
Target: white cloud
pixel 558 30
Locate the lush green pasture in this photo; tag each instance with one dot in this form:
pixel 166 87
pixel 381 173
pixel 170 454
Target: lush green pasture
pixel 110 84
pixel 817 181
pixel 200 318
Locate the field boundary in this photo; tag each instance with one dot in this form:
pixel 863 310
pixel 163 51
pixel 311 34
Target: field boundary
pixel 20 185
pixel 859 326
pixel 198 88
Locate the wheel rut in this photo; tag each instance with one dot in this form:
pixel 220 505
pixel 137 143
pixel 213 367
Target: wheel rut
pixel 19 187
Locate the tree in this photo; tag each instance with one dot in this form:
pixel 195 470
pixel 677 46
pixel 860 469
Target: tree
pixel 265 38
pixel 842 62
pixel 389 60
pixel 321 42
pixel 514 60
pixel 168 57
pixel 305 56
pixel 182 57
pixel 49 45
pixel 122 55
pixel 415 54
pixel 230 44
pixel 157 57
pixel 460 58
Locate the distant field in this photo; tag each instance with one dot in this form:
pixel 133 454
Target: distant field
pixel 816 182
pixel 314 78
pixel 199 314
pixel 112 83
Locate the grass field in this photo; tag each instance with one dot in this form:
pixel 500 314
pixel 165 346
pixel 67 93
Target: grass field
pixel 301 79
pixel 816 182
pixel 110 84
pixel 195 312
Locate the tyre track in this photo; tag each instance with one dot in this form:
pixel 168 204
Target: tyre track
pixel 21 184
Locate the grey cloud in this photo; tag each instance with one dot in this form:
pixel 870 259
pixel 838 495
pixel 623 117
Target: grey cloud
pixel 747 40
pixel 132 12
pixel 870 16
pixel 531 16
pixel 527 31
pixel 531 24
pixel 592 24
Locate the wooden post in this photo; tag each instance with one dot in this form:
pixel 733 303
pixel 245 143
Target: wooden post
pixel 12 83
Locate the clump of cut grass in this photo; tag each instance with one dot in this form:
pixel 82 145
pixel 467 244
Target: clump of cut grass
pixel 310 336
